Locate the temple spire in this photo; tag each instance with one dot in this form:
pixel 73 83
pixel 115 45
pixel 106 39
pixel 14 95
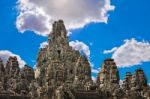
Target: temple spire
pixel 58 30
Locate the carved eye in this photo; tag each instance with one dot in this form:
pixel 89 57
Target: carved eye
pixel 58 51
pixel 71 71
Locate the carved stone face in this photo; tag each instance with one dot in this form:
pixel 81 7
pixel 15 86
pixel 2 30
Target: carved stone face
pixel 114 74
pixel 59 75
pixel 142 78
pixel 133 81
pixel 102 78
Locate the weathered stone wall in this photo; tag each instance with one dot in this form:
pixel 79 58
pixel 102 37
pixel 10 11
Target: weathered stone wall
pixel 88 95
pixel 13 97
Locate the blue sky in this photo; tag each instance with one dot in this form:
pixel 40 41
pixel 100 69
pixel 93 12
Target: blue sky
pixel 130 19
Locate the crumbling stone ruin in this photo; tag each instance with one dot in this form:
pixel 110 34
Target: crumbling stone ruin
pixel 13 80
pixel 63 73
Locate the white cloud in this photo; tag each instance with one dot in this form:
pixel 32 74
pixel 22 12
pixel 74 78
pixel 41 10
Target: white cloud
pixel 43 44
pixel 34 22
pixel 91 64
pixel 95 71
pixel 34 67
pixel 37 15
pixel 132 52
pixel 110 51
pixel 80 46
pixel 5 54
pixel 94 78
pixel 121 83
pixel 69 33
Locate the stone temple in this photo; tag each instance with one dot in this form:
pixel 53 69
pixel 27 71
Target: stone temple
pixel 63 73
